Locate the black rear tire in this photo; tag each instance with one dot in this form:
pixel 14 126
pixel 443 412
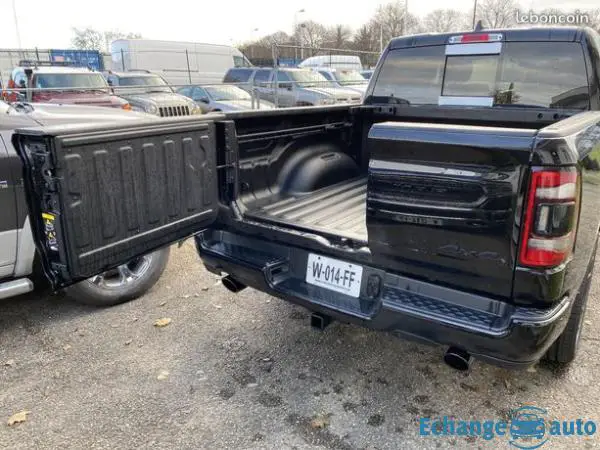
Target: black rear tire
pixel 564 349
pixel 119 286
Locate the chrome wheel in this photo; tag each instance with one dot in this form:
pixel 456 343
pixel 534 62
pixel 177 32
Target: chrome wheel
pixel 123 274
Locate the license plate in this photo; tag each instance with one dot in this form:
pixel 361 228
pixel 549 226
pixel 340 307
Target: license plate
pixel 334 274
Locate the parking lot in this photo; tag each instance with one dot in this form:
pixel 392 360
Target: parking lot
pixel 247 371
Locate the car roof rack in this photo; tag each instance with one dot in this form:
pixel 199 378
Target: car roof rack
pixel 36 63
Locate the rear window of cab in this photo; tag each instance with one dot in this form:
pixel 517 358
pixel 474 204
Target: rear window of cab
pixel 526 74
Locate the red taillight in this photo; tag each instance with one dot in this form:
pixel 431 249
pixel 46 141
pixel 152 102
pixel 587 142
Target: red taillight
pixel 475 37
pixel 550 217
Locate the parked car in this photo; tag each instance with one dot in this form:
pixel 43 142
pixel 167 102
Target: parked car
pixel 150 93
pixel 349 62
pixel 457 205
pixel 20 269
pixel 344 78
pixel 65 84
pixel 366 74
pixel 219 97
pixel 240 76
pixel 298 87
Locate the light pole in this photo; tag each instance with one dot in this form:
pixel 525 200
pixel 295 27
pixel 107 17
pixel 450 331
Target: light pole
pixel 16 23
pixel 405 21
pixel 474 13
pixel 252 42
pixel 298 37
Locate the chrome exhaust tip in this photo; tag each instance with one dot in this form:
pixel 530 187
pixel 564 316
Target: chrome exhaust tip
pixel 232 284
pixel 458 359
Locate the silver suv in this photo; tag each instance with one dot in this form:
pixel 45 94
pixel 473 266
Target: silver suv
pixel 150 93
pixel 298 87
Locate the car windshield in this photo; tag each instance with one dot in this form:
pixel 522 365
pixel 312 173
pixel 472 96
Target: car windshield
pixel 222 93
pixel 153 83
pixel 308 78
pixel 349 77
pixel 77 81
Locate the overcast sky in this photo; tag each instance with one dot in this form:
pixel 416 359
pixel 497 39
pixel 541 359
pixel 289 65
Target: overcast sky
pixel 48 23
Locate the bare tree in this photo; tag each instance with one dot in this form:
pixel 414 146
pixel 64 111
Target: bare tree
pixel 261 51
pixel 310 34
pixel 91 39
pixel 338 36
pixel 366 38
pixel 443 21
pixel 497 13
pixel 88 39
pixel 594 16
pixel 392 20
pixel 110 36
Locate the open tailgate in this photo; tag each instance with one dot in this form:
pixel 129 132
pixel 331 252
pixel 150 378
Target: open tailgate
pixel 99 196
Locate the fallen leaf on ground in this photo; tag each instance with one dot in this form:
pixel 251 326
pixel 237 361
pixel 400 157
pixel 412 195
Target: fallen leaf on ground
pixel 217 306
pixel 204 288
pixel 10 362
pixel 531 369
pixel 162 375
pixel 507 383
pixel 162 303
pixel 162 322
pixel 185 296
pixel 588 322
pixel 321 421
pixel 19 417
pixel 128 341
pixel 67 347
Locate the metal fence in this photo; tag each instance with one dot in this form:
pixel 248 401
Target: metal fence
pixel 284 53
pixel 180 69
pixel 11 58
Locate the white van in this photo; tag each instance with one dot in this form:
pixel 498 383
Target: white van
pixel 351 62
pixel 177 62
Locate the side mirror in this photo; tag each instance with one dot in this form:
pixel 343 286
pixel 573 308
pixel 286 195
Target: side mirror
pixel 204 100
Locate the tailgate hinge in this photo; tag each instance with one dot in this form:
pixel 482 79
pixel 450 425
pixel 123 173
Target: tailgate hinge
pixel 231 161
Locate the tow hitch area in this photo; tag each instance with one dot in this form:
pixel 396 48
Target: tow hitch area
pixel 319 321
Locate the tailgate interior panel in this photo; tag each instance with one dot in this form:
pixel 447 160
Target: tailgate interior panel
pixel 118 192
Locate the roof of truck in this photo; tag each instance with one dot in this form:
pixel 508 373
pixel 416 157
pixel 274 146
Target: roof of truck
pixel 568 34
pixel 58 69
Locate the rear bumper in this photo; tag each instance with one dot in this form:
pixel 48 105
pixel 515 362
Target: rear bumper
pixel 489 329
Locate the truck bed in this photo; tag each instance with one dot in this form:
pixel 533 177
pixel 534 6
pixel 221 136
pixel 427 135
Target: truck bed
pixel 338 210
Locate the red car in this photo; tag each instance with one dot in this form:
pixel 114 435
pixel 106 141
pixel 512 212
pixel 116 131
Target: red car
pixel 64 84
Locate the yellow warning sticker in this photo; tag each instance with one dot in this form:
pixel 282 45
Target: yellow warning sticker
pixel 47 216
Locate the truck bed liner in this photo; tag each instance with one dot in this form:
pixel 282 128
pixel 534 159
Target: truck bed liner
pixel 336 210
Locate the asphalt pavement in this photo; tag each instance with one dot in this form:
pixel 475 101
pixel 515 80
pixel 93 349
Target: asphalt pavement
pixel 247 371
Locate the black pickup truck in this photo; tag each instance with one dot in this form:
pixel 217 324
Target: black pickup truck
pixel 459 205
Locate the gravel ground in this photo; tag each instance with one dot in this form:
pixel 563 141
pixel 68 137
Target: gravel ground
pixel 247 371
